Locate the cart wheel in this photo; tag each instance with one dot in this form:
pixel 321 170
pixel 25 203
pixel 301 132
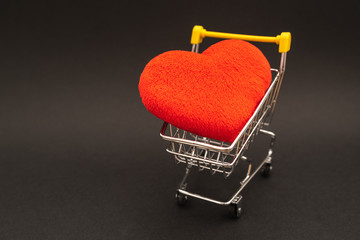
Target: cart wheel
pixel 266 169
pixel 181 199
pixel 235 210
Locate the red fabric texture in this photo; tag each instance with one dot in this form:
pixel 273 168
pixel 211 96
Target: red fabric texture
pixel 212 94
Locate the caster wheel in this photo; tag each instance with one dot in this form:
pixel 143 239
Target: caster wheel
pixel 266 169
pixel 181 199
pixel 235 210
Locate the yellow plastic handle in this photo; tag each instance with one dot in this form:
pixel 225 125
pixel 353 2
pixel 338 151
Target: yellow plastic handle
pixel 283 40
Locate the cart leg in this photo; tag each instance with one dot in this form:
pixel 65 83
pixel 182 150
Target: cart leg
pixel 183 182
pixel 267 166
pixel 181 199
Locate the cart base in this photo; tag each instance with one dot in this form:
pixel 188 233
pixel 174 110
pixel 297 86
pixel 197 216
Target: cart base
pixel 234 203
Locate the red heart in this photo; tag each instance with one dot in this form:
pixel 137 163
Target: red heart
pixel 212 94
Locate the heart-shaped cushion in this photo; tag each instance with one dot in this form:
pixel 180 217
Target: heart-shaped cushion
pixel 212 94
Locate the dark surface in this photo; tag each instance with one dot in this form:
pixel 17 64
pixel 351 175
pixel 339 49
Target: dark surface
pixel 81 158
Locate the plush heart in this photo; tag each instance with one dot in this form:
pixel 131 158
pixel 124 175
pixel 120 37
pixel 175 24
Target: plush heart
pixel 212 94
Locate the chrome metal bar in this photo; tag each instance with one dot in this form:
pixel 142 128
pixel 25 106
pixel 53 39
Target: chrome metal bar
pixel 281 72
pixel 248 172
pixel 195 48
pixel 182 184
pixel 201 197
pixel 272 143
pixel 171 134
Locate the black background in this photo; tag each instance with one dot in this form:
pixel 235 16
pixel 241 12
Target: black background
pixel 81 158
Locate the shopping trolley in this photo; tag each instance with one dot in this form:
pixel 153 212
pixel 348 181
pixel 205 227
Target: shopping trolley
pixel 221 157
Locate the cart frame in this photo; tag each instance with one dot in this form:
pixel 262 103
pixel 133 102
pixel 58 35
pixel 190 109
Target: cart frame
pixel 218 156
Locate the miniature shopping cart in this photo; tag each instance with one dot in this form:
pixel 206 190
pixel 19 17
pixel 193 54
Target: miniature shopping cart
pixel 220 157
